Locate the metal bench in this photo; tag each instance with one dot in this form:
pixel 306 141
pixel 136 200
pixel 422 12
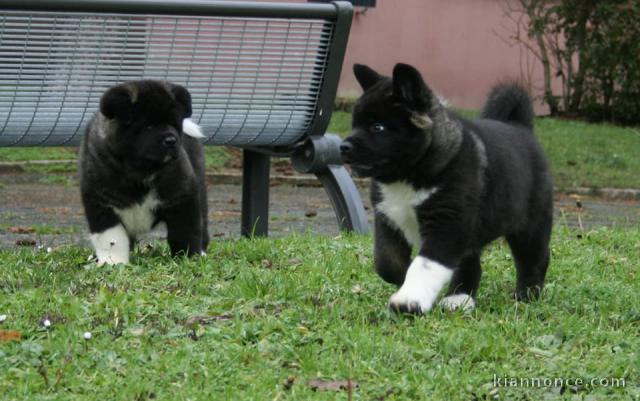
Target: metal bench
pixel 263 77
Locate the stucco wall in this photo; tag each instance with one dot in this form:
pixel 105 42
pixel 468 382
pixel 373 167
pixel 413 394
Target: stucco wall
pixel 458 45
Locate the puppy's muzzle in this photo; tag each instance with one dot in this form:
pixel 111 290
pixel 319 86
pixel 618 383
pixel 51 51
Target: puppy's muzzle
pixel 346 148
pixel 169 141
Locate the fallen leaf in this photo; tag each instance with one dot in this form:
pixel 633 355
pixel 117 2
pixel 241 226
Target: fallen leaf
pixel 332 385
pixel 21 230
pixel 10 335
pixel 289 382
pixel 26 242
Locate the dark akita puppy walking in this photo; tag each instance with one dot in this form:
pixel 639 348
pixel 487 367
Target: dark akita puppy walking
pixel 447 186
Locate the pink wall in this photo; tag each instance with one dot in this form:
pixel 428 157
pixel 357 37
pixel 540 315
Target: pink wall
pixel 458 45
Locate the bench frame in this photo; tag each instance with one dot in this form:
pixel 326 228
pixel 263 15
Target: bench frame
pixel 317 153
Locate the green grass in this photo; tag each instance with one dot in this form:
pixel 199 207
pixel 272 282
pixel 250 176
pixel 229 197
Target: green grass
pixel 215 157
pixel 239 323
pixel 17 154
pixel 591 155
pixel 581 154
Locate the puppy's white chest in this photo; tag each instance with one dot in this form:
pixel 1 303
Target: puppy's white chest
pixel 139 217
pixel 398 204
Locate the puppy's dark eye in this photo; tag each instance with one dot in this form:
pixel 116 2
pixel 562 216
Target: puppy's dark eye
pixel 377 128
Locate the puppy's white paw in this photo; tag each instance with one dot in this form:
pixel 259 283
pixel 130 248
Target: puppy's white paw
pixel 424 280
pixel 111 245
pixel 112 260
pixel 412 300
pixel 454 302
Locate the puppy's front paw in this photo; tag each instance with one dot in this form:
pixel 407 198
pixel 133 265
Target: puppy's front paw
pixel 455 302
pixel 424 280
pixel 112 259
pixel 112 246
pixel 412 300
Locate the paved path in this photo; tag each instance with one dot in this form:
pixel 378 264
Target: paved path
pixel 53 214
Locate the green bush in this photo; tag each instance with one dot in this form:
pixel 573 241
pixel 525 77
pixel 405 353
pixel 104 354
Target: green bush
pixel 592 48
pixel 611 63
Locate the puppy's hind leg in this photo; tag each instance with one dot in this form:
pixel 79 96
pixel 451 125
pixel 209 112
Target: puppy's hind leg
pixel 464 284
pixel 184 228
pixel 392 253
pixel 531 254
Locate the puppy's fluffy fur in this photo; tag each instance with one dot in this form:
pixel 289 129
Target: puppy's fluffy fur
pixel 447 186
pixel 138 168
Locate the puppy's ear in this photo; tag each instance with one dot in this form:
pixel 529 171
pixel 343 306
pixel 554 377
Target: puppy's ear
pixel 366 76
pixel 117 103
pixel 410 89
pixel 183 98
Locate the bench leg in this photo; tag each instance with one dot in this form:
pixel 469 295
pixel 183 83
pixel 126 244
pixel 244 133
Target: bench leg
pixel 345 199
pixel 321 156
pixel 255 194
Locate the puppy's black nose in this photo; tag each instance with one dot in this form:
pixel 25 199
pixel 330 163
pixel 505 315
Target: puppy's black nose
pixel 346 147
pixel 169 141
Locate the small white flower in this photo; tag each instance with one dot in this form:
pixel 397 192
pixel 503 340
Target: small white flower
pixel 46 323
pixel 87 335
pixel 49 249
pixel 3 318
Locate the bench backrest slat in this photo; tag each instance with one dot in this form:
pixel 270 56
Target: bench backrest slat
pixel 257 78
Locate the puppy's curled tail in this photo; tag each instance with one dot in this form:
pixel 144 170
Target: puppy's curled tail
pixel 509 102
pixel 192 129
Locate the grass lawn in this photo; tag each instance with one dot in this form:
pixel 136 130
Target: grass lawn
pixel 215 157
pixel 260 319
